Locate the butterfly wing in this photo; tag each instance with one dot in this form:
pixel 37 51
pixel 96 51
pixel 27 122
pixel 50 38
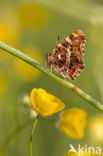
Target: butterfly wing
pixel 67 58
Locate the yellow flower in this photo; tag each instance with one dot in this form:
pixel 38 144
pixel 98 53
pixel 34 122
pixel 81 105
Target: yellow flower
pixel 8 36
pixel 9 27
pixel 72 154
pixel 72 122
pixel 33 15
pixel 78 154
pixel 3 84
pixel 9 32
pixel 44 103
pixel 25 71
pixel 96 129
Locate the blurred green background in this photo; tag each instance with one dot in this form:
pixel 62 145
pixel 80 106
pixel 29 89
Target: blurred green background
pixel 33 27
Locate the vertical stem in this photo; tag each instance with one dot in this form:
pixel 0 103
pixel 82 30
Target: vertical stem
pixel 31 135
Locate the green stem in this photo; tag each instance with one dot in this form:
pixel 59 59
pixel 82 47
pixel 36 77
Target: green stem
pixel 47 71
pixel 31 135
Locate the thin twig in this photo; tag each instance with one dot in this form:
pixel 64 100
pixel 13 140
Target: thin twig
pixel 47 71
pixel 31 135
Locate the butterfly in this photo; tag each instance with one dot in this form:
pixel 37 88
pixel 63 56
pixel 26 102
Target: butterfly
pixel 66 58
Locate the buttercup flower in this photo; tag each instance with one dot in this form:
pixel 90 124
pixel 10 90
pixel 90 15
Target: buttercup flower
pixel 25 71
pixel 72 122
pixel 33 15
pixel 44 103
pixel 96 129
pixel 71 154
pixel 78 154
pixel 6 33
pixel 9 27
pixel 9 32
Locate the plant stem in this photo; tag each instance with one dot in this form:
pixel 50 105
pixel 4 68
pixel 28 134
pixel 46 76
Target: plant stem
pixel 47 71
pixel 31 135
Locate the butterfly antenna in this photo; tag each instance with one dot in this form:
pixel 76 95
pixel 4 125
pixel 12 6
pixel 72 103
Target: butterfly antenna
pixel 58 38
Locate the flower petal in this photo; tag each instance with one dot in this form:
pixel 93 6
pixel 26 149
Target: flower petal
pixel 72 122
pixel 44 103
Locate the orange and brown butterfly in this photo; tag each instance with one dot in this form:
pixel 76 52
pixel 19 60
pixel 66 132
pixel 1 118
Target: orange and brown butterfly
pixel 67 57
